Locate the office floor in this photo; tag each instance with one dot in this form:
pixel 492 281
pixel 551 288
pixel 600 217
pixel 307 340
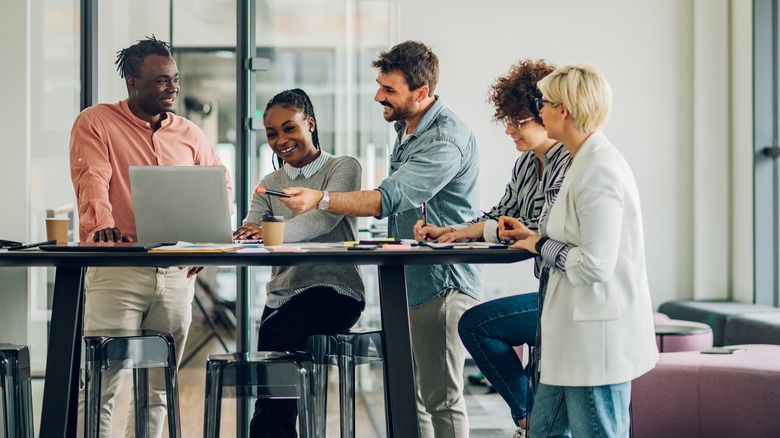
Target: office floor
pixel 488 414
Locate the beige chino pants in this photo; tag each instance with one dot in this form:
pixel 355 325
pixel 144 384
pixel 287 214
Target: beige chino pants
pixel 439 358
pixel 137 298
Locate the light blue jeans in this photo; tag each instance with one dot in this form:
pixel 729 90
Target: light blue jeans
pixel 581 411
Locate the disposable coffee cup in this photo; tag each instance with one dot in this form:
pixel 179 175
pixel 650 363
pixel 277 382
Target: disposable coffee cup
pixel 273 230
pixel 57 229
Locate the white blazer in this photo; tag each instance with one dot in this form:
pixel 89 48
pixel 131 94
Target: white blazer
pixel 597 319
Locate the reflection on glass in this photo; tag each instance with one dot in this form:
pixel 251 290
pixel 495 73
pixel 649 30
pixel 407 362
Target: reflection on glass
pixel 322 46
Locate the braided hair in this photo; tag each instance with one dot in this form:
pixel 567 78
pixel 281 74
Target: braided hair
pixel 128 61
pixel 296 99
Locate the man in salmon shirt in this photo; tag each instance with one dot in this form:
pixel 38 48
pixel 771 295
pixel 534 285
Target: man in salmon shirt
pixel 106 140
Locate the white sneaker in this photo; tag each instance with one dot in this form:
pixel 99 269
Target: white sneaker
pixel 520 433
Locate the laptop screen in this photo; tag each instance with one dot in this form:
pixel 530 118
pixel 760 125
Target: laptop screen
pixel 181 203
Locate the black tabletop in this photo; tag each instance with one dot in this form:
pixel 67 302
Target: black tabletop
pixel 336 256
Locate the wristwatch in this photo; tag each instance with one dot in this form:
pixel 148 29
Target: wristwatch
pixel 540 243
pixel 325 201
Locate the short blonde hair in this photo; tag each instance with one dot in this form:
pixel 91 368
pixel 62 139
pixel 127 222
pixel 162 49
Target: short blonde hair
pixel 584 91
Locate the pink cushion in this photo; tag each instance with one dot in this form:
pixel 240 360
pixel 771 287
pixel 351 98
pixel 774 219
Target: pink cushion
pixel 660 318
pixel 690 394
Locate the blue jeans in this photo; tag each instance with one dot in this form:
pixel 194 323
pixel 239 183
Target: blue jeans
pixel 581 411
pixel 489 331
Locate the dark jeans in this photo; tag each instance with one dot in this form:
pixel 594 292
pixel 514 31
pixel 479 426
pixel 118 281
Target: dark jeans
pixel 489 331
pixel 319 310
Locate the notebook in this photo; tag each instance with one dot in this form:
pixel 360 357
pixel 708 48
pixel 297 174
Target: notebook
pixel 99 247
pixel 180 203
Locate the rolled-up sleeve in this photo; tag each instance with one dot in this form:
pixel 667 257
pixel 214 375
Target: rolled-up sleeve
pixel 425 173
pixel 90 172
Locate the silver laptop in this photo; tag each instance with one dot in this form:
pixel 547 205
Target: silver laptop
pixel 181 203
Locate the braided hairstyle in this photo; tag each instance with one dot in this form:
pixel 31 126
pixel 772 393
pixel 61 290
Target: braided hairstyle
pixel 296 99
pixel 128 61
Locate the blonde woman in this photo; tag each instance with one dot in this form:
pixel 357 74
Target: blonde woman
pixel 596 316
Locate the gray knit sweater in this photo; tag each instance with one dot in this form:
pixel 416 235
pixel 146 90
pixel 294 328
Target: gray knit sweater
pixel 338 174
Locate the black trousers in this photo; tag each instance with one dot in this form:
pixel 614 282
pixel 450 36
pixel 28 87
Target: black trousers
pixel 319 310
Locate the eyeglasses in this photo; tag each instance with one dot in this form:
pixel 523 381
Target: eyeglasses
pixel 540 103
pixel 519 124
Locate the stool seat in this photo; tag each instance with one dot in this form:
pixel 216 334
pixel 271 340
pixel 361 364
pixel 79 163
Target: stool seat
pixel 359 345
pixel 114 349
pixel 262 374
pixel 17 390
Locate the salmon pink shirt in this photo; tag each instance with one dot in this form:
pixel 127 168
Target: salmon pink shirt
pixel 106 140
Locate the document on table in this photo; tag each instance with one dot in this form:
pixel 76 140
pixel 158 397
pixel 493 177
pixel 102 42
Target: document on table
pixel 466 245
pixel 198 247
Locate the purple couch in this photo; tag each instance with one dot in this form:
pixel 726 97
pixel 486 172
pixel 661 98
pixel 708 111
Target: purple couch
pixel 690 394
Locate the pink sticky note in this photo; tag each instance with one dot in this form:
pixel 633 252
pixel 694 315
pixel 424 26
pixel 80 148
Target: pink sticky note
pixel 396 247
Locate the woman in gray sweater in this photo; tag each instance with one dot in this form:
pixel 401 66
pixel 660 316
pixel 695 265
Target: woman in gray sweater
pixel 302 300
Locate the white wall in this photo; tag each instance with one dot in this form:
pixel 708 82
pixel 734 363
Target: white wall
pixel 655 55
pixel 646 50
pixel 15 150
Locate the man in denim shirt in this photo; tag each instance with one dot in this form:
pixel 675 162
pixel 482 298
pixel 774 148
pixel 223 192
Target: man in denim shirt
pixel 434 161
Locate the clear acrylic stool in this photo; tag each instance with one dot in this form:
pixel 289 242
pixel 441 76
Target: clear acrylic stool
pixel 17 390
pixel 262 374
pixel 112 350
pixel 360 345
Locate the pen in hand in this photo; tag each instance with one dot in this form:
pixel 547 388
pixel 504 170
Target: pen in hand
pixel 489 215
pixel 424 209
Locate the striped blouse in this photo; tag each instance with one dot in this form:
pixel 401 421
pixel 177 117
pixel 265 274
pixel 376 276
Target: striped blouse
pixel 525 193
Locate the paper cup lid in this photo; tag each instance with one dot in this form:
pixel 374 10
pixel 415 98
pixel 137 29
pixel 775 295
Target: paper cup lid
pixel 269 218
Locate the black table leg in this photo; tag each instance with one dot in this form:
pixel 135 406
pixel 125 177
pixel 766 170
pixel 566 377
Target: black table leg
pixel 400 399
pixel 63 360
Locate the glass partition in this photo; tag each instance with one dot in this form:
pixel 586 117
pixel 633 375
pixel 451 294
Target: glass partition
pixel 324 47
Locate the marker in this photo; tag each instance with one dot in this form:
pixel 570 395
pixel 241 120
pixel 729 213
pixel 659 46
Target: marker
pixel 489 215
pixel 264 191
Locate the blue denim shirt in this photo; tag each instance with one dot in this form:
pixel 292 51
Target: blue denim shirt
pixel 438 164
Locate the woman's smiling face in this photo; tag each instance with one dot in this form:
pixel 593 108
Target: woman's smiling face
pixel 289 134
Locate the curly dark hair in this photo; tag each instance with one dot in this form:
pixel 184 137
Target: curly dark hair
pixel 128 61
pixel 513 94
pixel 296 99
pixel 415 60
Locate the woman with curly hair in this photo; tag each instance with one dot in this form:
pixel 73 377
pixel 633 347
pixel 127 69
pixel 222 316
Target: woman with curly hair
pixel 490 330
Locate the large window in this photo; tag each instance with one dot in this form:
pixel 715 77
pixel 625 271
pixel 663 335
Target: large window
pixel 766 113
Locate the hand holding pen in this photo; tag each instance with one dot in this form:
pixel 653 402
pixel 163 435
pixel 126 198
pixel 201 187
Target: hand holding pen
pixel 512 229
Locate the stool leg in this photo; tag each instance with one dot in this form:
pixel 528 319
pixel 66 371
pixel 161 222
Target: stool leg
pixel 347 387
pixel 320 399
pixel 92 383
pixel 16 407
pixel 172 394
pixel 212 411
pixel 318 347
pixel 26 428
pixel 141 398
pixel 306 414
